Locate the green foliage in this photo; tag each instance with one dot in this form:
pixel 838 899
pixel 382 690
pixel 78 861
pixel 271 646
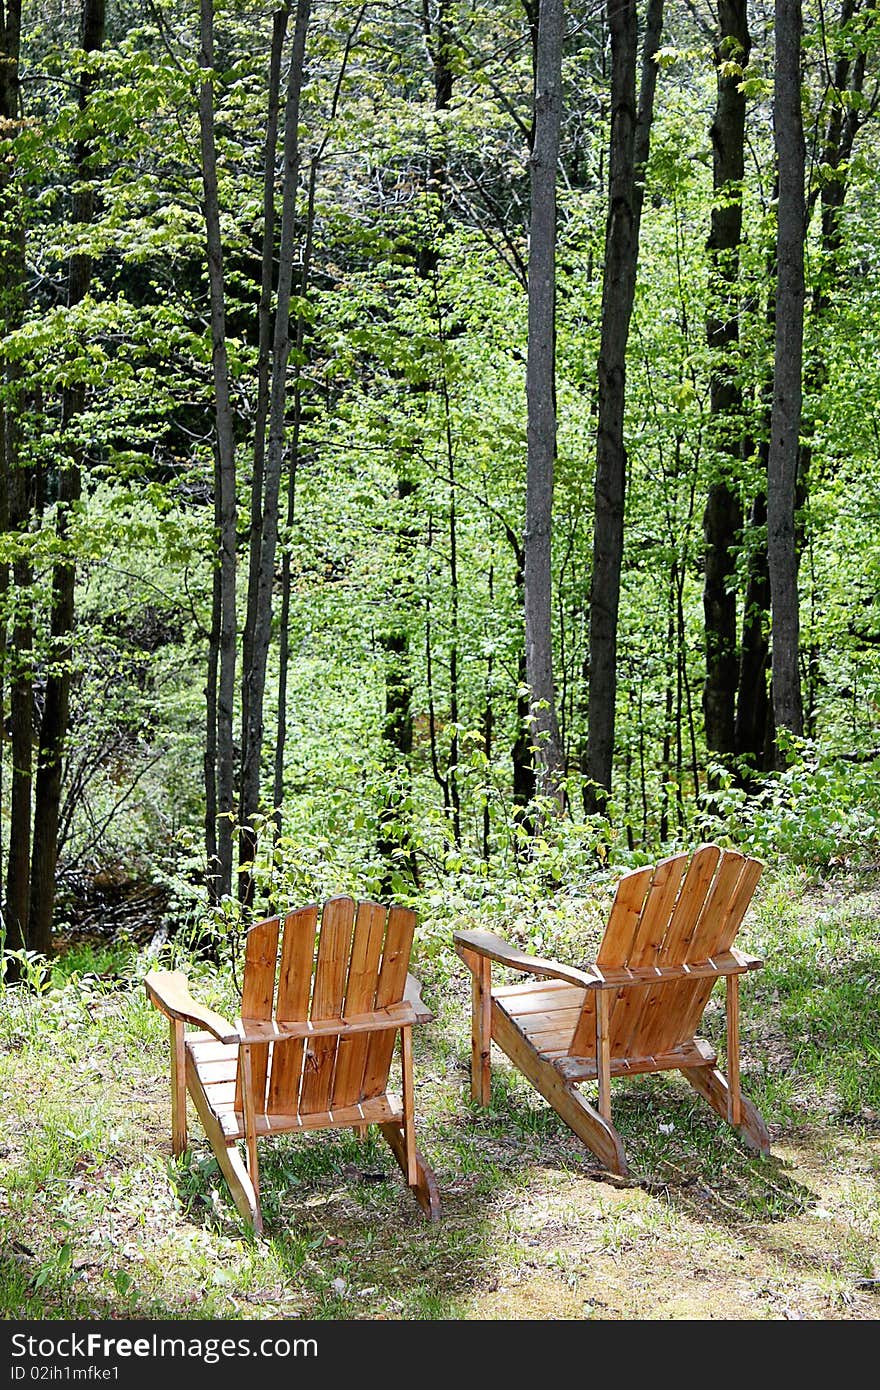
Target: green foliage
pixel 821 810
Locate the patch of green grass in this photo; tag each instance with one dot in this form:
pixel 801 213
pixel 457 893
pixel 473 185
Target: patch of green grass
pixel 108 962
pixel 822 983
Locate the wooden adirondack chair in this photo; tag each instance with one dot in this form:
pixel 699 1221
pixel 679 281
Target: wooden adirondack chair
pixel 311 1050
pixel 668 938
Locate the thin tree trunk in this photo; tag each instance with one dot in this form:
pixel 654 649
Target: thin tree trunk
pixel 397 729
pixel 209 761
pixel 252 737
pixel 722 517
pixel 541 397
pixel 785 422
pixel 224 472
pixel 753 702
pixel 522 758
pixel 488 722
pixel 293 465
pixel 293 459
pixel 261 411
pixel 21 713
pixel 56 707
pixel 15 505
pixel 629 149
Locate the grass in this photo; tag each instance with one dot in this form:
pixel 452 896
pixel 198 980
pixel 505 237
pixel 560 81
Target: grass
pixel 98 1221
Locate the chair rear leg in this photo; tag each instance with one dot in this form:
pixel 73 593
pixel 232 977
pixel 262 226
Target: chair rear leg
pixel 401 1136
pixel 409 1112
pixel 713 1086
pixel 424 1188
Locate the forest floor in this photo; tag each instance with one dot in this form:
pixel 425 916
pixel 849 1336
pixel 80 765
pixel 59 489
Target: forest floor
pixel 98 1221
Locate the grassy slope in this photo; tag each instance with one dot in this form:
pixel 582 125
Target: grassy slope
pixel 96 1221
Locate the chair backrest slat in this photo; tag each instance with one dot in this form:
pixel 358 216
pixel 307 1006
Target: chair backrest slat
pixel 389 990
pixel 361 964
pixel 360 997
pixel 726 904
pixel 328 993
pixel 691 911
pixel 692 900
pixel 257 998
pixel 292 1004
pixel 648 933
pixel 739 902
pixel 624 917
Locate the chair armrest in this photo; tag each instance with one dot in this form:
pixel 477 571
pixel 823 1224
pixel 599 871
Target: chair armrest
pixel 732 962
pixel 169 991
pixel 259 1030
pixel 487 944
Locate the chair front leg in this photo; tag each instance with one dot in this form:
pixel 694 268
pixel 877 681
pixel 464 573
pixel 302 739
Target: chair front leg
pixel 248 1109
pixel 178 1087
pixel 409 1107
pixel 734 1098
pixel 603 1051
pixel 481 1030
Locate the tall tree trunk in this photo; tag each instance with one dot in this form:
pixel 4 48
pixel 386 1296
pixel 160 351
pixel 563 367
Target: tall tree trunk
pixel 541 397
pixel 21 707
pixel 522 757
pixel 261 410
pixel 14 503
pixel 754 732
pixel 209 759
pixel 224 471
pixel 293 458
pixel 722 517
pixel 785 422
pixel 56 707
pixel 629 149
pixel 293 465
pixel 397 727
pixel 252 736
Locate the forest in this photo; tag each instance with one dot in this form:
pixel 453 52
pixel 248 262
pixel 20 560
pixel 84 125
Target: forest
pixel 434 448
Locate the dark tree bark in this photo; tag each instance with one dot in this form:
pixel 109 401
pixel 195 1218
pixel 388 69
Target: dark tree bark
pixel 294 449
pixel 541 397
pixel 224 470
pixel 14 507
pixel 295 432
pixel 21 706
pixel 56 706
pixel 722 517
pixel 261 410
pixel 397 726
pixel 255 677
pixel 209 760
pixel 754 732
pixel 782 465
pixel 629 149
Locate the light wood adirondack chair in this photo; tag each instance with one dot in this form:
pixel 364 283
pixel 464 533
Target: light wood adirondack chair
pixel 668 938
pixel 312 1048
